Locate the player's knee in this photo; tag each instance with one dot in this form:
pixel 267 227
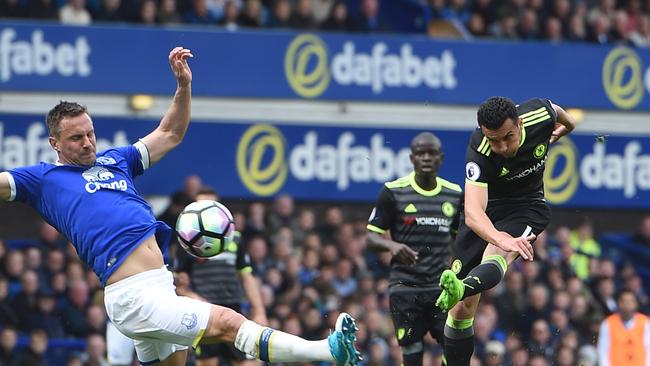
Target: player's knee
pixel 492 249
pixel 224 324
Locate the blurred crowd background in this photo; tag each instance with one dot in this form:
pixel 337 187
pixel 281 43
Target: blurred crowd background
pixel 311 263
pixel 596 21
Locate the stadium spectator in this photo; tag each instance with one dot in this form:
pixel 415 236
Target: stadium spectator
pixel 642 236
pixel 333 220
pixel 34 355
pixel 75 13
pixel 24 303
pixel 147 13
pixel 528 28
pixel 168 13
pixel 321 9
pixel 624 337
pixel 640 36
pixel 511 301
pixel 230 16
pixel 494 354
pixel 282 214
pixel 280 14
pixel 302 17
pixel 600 30
pixel 553 30
pixel 577 31
pixel 95 353
pixel 476 25
pixel 110 11
pixel 12 9
pixel 251 15
pixel 14 265
pixel 541 341
pixel 255 222
pixel 9 355
pixel 47 316
pixel 7 314
pixel 585 248
pixel 96 319
pixel 74 314
pixel 42 9
pixel 198 14
pixel 369 19
pixel 338 19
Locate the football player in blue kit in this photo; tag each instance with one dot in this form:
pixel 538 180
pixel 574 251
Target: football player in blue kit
pixel 91 199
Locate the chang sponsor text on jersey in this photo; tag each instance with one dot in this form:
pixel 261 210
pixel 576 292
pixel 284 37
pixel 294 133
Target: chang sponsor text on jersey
pixel 101 178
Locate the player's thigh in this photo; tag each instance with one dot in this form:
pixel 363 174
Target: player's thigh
pixel 119 348
pixel 145 307
pixel 178 358
pixel 151 352
pixel 223 325
pixel 435 318
pixel 523 220
pixel 409 316
pixel 467 251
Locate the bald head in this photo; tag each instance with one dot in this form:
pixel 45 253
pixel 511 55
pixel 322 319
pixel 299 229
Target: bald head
pixel 425 138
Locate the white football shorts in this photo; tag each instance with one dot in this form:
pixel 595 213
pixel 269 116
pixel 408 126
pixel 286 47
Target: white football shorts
pixel 145 308
pixel 119 348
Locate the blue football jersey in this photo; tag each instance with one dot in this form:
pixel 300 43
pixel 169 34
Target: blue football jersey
pixel 96 207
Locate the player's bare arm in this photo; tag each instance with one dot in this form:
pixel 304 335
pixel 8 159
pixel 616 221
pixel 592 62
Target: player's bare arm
pixel 5 187
pixel 174 123
pixel 565 123
pixel 254 296
pixel 476 198
pixel 402 253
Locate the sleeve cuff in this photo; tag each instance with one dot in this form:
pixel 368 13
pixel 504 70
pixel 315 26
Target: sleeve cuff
pixel 479 184
pixel 375 229
pixel 144 154
pixel 248 269
pixel 12 185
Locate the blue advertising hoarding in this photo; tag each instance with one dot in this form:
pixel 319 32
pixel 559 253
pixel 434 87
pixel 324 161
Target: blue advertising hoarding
pixel 416 69
pixel 339 163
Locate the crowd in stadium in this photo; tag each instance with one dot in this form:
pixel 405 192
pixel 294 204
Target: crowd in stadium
pixel 313 264
pixel 596 21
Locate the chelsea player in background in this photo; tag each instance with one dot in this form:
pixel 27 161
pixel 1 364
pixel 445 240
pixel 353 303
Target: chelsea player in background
pixel 91 199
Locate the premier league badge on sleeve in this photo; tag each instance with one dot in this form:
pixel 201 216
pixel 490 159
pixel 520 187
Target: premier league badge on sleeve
pixel 472 171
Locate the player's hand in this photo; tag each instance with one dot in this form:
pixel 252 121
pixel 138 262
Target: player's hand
pixel 178 61
pixel 521 245
pixel 403 254
pixel 558 132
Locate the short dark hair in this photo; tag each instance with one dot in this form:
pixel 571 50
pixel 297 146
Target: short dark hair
pixel 208 190
pixel 620 293
pixel 494 111
pixel 59 112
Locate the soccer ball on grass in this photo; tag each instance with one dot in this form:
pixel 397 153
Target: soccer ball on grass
pixel 205 228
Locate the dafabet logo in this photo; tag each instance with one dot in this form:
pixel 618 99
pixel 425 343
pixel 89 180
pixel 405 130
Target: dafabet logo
pixel 310 70
pixel 624 76
pixel 265 160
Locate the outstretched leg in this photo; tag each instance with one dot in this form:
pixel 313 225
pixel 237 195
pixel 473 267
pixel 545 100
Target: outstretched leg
pixel 272 345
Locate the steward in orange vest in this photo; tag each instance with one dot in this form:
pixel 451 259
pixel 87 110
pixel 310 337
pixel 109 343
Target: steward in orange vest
pixel 624 337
